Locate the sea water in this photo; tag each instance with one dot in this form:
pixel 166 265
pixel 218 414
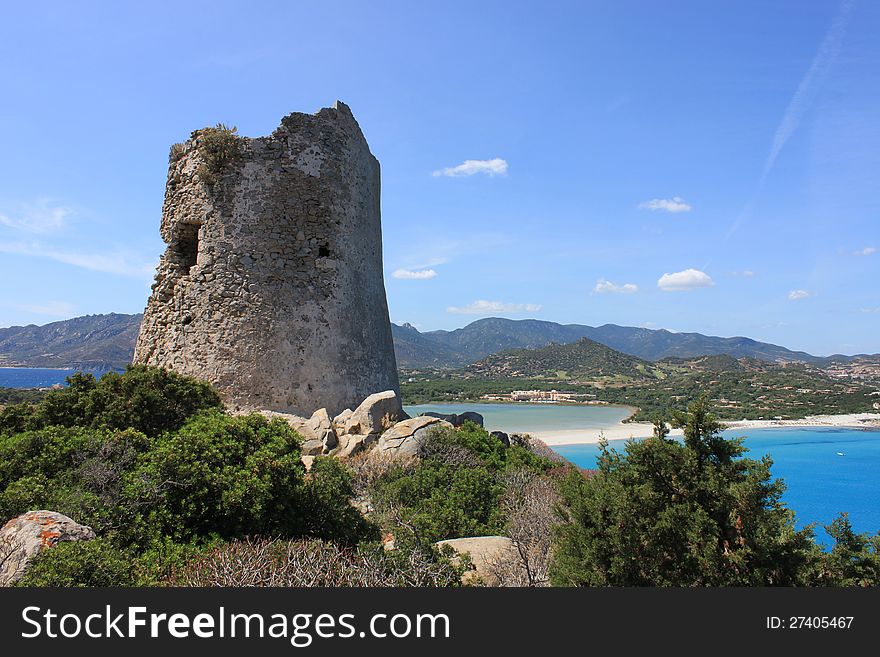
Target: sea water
pixel 32 377
pixel 523 418
pixel 826 470
pixel 41 377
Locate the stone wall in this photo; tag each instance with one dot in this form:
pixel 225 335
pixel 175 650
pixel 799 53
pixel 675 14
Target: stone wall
pixel 271 286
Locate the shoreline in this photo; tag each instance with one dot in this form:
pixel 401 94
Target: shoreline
pixel 641 430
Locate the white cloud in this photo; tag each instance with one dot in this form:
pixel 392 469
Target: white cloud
pixel 483 307
pixel 38 217
pixel 607 287
pixel 809 85
pixel 745 273
pixel 116 263
pixel 51 308
pixel 688 279
pixel 495 167
pixel 674 204
pixel 795 295
pixel 414 275
pixel 868 250
pixel 871 310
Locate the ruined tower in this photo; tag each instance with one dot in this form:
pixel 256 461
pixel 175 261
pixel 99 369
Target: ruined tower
pixel 271 287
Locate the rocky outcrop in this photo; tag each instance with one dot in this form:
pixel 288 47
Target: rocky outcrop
pixel 378 412
pixel 271 286
pixel 405 438
pixel 24 537
pixel 489 556
pixel 317 432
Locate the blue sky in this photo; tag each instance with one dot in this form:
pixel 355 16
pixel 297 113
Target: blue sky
pixel 695 166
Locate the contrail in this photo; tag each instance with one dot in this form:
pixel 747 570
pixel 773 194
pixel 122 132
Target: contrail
pixel 800 102
pixel 806 91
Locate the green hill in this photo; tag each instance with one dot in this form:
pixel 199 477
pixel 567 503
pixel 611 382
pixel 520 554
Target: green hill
pixel 581 360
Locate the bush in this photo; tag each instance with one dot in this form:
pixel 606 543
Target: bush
pixel 219 148
pixel 81 563
pixel 148 399
pixel 222 475
pixel 667 514
pixel 854 560
pixel 326 508
pixel 76 471
pixel 454 490
pixel 261 562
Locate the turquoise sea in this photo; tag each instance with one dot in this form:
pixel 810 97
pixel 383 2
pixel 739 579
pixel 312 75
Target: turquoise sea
pixel 826 470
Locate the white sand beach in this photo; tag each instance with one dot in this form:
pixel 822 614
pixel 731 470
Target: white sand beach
pixel 638 430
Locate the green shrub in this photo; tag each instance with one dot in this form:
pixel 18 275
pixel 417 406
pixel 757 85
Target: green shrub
pixel 325 505
pixel 222 475
pixel 76 471
pixel 854 560
pixel 455 489
pixel 82 563
pixel 669 514
pixel 148 399
pixel 219 148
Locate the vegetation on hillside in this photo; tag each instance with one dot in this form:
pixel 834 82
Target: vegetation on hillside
pixel 180 493
pixel 584 359
pixel 739 389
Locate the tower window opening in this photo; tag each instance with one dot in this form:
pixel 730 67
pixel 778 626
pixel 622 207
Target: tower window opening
pixel 186 246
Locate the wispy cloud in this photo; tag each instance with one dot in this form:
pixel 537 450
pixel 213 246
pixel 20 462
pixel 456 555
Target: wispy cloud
pixel 876 309
pixel 117 263
pixel 797 295
pixel 745 273
pixel 868 250
pixel 483 307
pixel 51 308
pixel 494 167
pixel 809 85
pixel 38 217
pixel 607 287
pixel 689 279
pixel 674 204
pixel 414 275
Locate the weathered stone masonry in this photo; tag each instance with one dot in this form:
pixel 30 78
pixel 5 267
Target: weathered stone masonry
pixel 271 286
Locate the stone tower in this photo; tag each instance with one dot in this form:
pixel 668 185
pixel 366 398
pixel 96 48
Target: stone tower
pixel 271 287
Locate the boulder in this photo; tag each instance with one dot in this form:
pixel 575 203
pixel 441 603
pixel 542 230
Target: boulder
pixel 297 423
pixel 503 437
pixel 405 438
pixel 457 420
pixel 489 555
pixel 341 420
pixel 312 448
pixel 470 416
pixel 307 461
pixel 378 412
pixel 321 427
pixel 452 418
pixel 24 537
pixel 350 445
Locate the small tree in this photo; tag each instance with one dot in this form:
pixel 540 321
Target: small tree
pixel 855 558
pixel 669 514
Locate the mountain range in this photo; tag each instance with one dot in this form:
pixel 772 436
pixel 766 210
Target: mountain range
pixel 492 335
pixel 104 341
